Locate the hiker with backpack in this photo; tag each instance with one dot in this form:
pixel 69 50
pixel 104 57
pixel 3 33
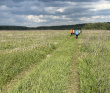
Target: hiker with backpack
pixel 71 32
pixel 77 33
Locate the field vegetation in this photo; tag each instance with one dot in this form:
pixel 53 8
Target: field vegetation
pixel 54 62
pixel 94 67
pixel 21 50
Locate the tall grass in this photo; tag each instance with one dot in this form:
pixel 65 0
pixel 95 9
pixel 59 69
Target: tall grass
pixel 19 50
pixel 94 67
pixel 51 75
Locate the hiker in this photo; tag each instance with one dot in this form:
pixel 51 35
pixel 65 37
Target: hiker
pixel 77 32
pixel 71 32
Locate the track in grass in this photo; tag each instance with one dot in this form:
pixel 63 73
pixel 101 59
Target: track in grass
pixel 53 74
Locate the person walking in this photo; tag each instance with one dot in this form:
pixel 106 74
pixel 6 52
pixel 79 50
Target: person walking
pixel 77 32
pixel 71 32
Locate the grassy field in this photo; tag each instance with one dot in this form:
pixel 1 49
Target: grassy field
pixel 54 62
pixel 94 66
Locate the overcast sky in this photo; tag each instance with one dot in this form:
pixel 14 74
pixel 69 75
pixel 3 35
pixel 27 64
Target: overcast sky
pixel 35 13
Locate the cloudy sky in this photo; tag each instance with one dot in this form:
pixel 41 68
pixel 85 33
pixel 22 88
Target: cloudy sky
pixel 33 13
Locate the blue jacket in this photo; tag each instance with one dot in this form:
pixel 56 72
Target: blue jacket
pixel 77 32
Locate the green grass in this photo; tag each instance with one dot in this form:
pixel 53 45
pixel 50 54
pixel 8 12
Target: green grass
pixel 29 51
pixel 94 63
pixel 51 75
pixel 54 62
pixel 13 63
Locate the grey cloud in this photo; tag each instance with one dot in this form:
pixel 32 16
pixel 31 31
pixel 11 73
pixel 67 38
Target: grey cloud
pixel 73 10
pixel 55 0
pixel 105 12
pixel 69 0
pixel 26 8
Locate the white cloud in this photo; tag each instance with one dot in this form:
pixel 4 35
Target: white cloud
pixel 54 17
pixel 85 19
pixel 101 5
pixel 4 7
pixel 95 19
pixel 101 17
pixel 60 10
pixel 64 17
pixel 50 9
pixel 35 18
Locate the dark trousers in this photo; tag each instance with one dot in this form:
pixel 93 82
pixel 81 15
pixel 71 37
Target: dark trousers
pixel 76 36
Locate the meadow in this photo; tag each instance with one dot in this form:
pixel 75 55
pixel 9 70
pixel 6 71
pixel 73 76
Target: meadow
pixel 54 62
pixel 94 66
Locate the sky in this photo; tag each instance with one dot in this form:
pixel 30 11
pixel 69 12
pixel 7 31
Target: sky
pixel 34 13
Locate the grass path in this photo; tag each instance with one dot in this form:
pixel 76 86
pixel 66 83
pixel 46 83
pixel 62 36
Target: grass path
pixel 58 73
pixel 73 80
pixel 74 76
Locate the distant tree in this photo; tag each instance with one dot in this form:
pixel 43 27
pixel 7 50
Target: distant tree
pixel 97 26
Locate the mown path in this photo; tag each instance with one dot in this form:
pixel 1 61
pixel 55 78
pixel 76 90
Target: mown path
pixel 57 73
pixel 74 77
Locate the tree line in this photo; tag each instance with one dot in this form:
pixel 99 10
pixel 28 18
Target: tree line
pixel 97 26
pixel 63 27
pixel 86 26
pixel 13 28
